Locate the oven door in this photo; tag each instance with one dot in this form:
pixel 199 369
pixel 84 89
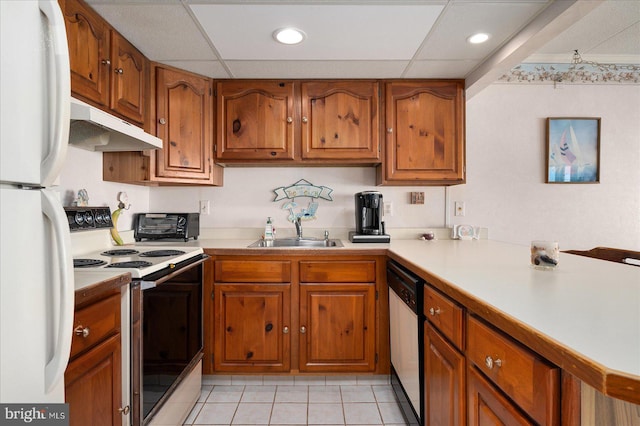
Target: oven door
pixel 171 340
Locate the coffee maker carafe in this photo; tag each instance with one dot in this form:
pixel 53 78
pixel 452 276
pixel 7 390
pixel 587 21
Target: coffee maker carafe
pixel 369 223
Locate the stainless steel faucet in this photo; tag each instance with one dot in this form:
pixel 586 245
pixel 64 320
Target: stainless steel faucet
pixel 298 225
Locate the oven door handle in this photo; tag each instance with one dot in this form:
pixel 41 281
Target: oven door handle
pixel 145 285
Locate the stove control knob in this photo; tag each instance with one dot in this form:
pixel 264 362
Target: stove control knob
pixel 88 218
pixel 79 218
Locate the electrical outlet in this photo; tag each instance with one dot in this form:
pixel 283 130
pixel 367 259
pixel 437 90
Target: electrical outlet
pixel 387 209
pixel 460 208
pixel 205 206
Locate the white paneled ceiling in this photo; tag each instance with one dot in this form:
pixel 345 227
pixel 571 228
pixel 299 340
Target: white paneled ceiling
pixel 375 38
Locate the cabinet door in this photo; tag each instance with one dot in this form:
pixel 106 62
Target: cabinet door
pixel 93 386
pixel 340 120
pixel 128 79
pixel 255 120
pixel 444 381
pixel 337 327
pixel 183 122
pixel 487 406
pixel 88 37
pixel 252 327
pixel 425 133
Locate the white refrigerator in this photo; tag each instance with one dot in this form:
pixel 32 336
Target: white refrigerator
pixel 36 266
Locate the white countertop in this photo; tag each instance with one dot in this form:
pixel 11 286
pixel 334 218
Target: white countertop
pixel 588 307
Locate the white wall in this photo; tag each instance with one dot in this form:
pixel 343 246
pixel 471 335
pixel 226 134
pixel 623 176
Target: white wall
pixel 246 199
pixel 83 170
pixel 506 166
pixel 505 174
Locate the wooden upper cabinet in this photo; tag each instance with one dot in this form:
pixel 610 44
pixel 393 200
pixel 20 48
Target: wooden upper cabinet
pixel 340 120
pixel 183 118
pixel 255 121
pixel 424 133
pixel 89 50
pixel 106 70
pixel 129 79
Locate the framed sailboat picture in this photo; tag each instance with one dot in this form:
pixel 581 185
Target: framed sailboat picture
pixel 573 150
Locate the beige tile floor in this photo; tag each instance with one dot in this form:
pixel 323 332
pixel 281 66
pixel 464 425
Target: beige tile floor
pixel 294 400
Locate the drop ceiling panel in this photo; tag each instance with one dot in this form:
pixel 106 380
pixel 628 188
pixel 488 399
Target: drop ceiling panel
pixel 160 31
pixel 317 69
pixel 461 20
pixel 613 27
pixel 244 32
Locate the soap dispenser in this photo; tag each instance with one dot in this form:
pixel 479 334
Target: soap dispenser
pixel 268 230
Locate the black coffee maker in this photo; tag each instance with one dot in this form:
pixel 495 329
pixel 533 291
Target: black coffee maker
pixel 369 223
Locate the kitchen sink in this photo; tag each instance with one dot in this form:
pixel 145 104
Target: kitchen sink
pixel 295 242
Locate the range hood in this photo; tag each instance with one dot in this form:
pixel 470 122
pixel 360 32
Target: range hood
pixel 96 130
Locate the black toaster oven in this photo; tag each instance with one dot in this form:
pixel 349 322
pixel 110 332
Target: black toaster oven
pixel 169 226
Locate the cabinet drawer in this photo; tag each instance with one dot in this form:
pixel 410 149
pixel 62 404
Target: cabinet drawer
pixel 95 323
pixel 445 314
pixel 356 271
pixel 526 378
pixel 252 271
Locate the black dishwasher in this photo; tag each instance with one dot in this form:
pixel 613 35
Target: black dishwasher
pixel 406 327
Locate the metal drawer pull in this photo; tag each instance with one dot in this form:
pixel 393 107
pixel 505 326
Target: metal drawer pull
pixel 303 329
pixel 119 71
pixel 435 311
pixel 490 362
pixel 285 330
pixel 289 120
pixel 81 331
pixel 124 410
pixel 305 119
pixel 106 62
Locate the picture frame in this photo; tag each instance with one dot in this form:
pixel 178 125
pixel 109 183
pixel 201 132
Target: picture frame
pixel 573 150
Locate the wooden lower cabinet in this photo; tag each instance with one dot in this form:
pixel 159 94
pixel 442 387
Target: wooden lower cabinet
pixel 337 331
pixel 444 383
pixel 290 314
pixel 93 386
pixel 93 379
pixel 252 326
pixel 487 406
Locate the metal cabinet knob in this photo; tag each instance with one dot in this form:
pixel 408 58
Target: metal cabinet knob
pixel 305 119
pixel 124 410
pixel 106 62
pixel 289 119
pixel 119 71
pixel 490 362
pixel 162 121
pixel 433 311
pixel 285 330
pixel 81 331
pixel 389 129
pixel 303 330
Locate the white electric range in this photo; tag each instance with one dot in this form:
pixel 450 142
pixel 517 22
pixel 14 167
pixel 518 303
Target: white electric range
pixel 163 307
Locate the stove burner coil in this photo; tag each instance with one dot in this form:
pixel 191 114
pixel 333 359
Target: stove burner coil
pixel 87 263
pixel 138 264
pixel 119 252
pixel 161 253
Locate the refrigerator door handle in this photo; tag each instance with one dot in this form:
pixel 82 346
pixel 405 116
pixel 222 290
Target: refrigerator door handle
pixel 59 93
pixel 54 370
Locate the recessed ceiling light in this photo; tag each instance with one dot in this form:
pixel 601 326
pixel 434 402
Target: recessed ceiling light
pixel 478 38
pixel 289 35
